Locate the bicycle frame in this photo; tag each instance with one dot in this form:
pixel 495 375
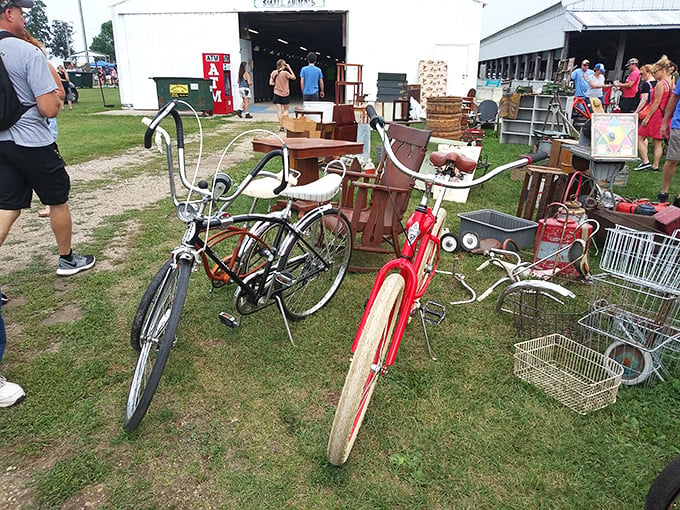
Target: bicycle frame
pixel 411 257
pixel 420 225
pixel 200 248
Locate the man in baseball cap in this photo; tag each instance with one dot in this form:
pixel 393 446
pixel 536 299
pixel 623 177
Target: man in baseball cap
pixel 22 4
pixel 580 78
pixel 629 89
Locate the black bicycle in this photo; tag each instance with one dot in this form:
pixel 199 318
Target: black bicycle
pixel 270 259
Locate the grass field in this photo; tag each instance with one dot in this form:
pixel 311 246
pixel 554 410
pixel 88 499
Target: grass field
pixel 241 418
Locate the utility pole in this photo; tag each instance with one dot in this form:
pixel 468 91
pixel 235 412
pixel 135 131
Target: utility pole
pixel 82 26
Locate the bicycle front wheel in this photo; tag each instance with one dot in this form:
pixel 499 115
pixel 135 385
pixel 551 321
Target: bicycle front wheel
pixel 315 264
pixel 153 334
pixel 367 363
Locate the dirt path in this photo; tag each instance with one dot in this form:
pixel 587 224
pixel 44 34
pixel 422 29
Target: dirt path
pixel 31 236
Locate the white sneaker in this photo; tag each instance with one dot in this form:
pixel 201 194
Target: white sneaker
pixel 10 393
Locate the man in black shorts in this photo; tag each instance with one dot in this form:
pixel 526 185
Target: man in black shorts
pixel 29 158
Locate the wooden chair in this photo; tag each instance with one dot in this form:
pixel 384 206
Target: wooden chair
pixel 375 203
pixel 345 124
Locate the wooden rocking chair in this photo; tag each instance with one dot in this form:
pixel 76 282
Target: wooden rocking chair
pixel 375 203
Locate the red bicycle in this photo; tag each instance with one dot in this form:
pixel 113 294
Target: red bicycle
pixel 399 287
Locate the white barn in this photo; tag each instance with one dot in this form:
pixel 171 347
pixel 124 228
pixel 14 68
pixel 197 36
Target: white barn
pixel 168 37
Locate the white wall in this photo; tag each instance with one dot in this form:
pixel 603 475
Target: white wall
pixel 167 38
pixel 393 38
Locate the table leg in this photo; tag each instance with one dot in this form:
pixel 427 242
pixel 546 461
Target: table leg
pixel 308 168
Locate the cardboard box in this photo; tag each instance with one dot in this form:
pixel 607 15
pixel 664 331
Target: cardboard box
pixel 668 219
pixel 301 127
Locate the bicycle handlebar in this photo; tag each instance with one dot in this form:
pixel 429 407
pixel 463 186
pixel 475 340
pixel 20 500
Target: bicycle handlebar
pixel 171 109
pixel 378 123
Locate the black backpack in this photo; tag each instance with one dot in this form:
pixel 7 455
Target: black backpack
pixel 11 108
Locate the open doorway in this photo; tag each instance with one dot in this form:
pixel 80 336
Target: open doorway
pixel 291 36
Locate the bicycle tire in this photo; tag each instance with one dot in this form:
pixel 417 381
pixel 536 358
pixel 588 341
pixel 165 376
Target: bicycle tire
pixel 427 264
pixel 362 377
pixel 329 234
pixel 665 489
pixel 160 310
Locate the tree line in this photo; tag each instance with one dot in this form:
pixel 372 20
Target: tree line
pixel 58 37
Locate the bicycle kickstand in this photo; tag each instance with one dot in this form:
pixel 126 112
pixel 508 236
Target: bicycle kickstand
pixel 433 313
pixel 279 302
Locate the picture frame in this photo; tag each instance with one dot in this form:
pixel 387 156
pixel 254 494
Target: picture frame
pixel 614 136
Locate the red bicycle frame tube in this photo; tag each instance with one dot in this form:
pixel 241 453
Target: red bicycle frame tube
pixel 407 268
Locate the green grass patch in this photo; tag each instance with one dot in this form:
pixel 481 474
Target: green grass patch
pixel 241 418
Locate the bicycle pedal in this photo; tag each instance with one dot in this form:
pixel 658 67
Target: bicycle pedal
pixel 228 319
pixel 285 278
pixel 433 312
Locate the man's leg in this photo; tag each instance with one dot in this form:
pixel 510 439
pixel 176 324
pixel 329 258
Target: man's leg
pixel 60 219
pixel 10 393
pixel 668 172
pixel 7 219
pixel 69 263
pixel 3 334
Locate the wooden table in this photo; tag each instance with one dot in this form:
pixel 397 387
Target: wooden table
pixel 305 153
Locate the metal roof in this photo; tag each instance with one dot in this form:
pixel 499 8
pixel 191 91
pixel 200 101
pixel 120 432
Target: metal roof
pixel 629 20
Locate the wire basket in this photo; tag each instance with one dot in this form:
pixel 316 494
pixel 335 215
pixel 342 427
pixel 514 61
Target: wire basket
pixel 537 314
pixel 609 289
pixel 648 258
pixel 643 344
pixel 578 377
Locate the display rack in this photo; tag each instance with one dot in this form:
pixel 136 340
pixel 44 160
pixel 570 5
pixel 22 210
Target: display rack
pixel 531 115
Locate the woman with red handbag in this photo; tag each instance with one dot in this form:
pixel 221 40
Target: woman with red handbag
pixel 651 124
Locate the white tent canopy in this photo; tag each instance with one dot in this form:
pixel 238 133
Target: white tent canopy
pixel 75 57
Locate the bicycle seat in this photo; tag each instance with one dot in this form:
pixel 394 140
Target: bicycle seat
pixel 320 190
pixel 264 187
pixel 462 163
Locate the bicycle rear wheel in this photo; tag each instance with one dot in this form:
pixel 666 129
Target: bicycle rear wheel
pixel 365 368
pixel 153 334
pixel 316 263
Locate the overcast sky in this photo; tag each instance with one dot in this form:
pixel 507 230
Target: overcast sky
pixel 499 14
pixel 95 12
pixel 496 15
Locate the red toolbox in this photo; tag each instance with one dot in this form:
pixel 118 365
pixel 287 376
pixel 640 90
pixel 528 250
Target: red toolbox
pixel 668 219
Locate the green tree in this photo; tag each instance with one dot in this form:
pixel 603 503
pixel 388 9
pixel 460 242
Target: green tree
pixel 62 39
pixel 104 43
pixel 37 24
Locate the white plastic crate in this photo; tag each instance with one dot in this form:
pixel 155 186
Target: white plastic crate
pixel 580 378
